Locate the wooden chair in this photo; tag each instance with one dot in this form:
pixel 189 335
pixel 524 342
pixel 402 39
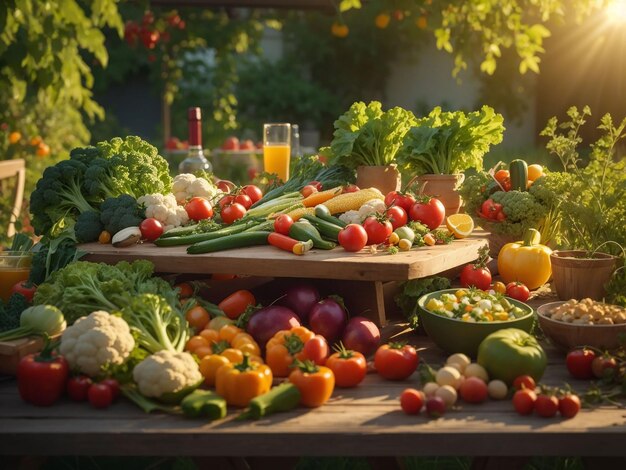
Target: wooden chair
pixel 14 169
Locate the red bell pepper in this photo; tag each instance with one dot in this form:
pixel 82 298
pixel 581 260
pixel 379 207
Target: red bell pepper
pixel 41 378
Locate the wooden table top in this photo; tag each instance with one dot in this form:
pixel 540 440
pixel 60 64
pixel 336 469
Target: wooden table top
pixel 362 421
pixel 270 261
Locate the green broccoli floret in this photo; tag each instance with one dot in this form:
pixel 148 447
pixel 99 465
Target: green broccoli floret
pixel 120 212
pixel 11 312
pixel 88 227
pixel 519 206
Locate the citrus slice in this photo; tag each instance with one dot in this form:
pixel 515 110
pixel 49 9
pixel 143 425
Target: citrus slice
pixel 461 225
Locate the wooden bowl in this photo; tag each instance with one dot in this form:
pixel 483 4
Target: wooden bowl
pixel 567 335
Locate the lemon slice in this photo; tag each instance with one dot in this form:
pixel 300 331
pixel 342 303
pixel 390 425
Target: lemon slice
pixel 461 225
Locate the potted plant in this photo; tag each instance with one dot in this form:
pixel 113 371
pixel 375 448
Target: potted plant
pixel 367 139
pixel 442 145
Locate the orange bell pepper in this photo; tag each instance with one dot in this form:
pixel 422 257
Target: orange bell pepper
pixel 240 383
pixel 285 347
pixel 316 383
pixel 222 354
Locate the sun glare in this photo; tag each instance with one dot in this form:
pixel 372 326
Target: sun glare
pixel 616 11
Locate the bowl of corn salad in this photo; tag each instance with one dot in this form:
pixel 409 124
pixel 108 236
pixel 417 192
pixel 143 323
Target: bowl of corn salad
pixel 457 320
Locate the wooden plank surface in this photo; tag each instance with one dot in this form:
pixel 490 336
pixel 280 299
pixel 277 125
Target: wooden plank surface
pixel 362 421
pixel 321 264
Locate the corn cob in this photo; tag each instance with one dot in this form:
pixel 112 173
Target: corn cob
pixel 342 203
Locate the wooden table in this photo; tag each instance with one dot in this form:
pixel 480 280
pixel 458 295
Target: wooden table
pixel 363 421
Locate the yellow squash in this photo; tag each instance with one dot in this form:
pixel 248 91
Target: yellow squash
pixel 526 261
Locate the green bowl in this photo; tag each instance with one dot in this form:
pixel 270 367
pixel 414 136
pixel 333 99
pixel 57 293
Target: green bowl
pixel 457 336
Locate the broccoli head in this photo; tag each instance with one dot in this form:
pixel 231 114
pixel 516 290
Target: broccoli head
pixel 88 227
pixel 11 312
pixel 120 212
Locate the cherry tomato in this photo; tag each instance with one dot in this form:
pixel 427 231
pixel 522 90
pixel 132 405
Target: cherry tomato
pixel 412 401
pixel 226 200
pixel 569 406
pixel 547 405
pixel 184 290
pixel 77 387
pixel 237 303
pixel 316 350
pixel 377 230
pixel 517 291
pixel 308 190
pixel 232 212
pixel 604 366
pixel 397 216
pixel 395 361
pixel 351 188
pixel 352 237
pixel 114 385
pixel 253 192
pixel 397 198
pixel 435 407
pixel 524 382
pixel 100 395
pixel 429 213
pixel 579 362
pixel 24 288
pixel 524 401
pixel 348 366
pixel 151 229
pixel 476 276
pixel 198 317
pixel 499 287
pixel 225 186
pixel 315 183
pixel 282 224
pixel 473 390
pixel 244 200
pixel 199 208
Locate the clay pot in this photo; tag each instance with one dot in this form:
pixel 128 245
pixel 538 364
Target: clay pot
pixel 576 276
pixel 444 188
pixel 383 178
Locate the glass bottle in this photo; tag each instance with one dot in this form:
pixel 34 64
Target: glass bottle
pixel 195 160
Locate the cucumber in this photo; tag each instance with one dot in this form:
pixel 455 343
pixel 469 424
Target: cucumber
pixel 200 237
pixel 322 212
pixel 238 240
pixel 303 231
pixel 518 170
pixel 179 231
pixel 325 228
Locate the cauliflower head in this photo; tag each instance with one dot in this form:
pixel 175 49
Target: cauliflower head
pixel 165 209
pixel 186 186
pixel 166 372
pixel 95 341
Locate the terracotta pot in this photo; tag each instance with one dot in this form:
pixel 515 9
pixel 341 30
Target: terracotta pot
pixel 576 277
pixel 444 188
pixel 384 178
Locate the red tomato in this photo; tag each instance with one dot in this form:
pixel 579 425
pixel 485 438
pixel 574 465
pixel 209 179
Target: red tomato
pixel 524 382
pixel 253 192
pixel 472 275
pixel 225 186
pixel 517 291
pixel 504 178
pixel 226 200
pixel 351 188
pixel 114 385
pixel 348 366
pixel 24 288
pixel 397 216
pixel 395 361
pixel 308 190
pixel 246 145
pixel 77 387
pixel 244 200
pixel 377 230
pixel 429 213
pixel 184 290
pixel 490 209
pixel 232 212
pixel 316 350
pixel 282 224
pixel 100 395
pixel 231 143
pixel 604 366
pixel 547 405
pixel 397 198
pixel 524 401
pixel 352 237
pixel 237 303
pixel 569 406
pixel 435 407
pixel 579 363
pixel 199 208
pixel 151 229
pixel 473 390
pixel 412 401
pixel 315 183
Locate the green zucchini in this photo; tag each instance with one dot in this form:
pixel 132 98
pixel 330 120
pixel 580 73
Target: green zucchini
pixel 303 231
pixel 518 170
pixel 325 228
pixel 180 231
pixel 283 397
pixel 238 240
pixel 200 237
pixel 322 212
pixel 204 404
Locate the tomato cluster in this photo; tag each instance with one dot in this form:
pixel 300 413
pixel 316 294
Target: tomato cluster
pixel 99 394
pixel 235 204
pixel 150 31
pixel 492 210
pixel 586 363
pixel 547 404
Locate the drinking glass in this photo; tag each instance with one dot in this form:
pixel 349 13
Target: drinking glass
pixel 14 267
pixel 277 149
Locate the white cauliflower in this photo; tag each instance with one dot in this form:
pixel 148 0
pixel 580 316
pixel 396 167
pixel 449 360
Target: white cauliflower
pixel 186 186
pixel 165 209
pixel 166 372
pixel 96 340
pixel 372 206
pixel 351 217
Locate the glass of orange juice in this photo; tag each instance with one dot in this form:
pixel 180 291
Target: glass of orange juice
pixel 277 149
pixel 14 267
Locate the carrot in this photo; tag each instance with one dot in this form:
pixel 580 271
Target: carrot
pixel 320 197
pixel 289 244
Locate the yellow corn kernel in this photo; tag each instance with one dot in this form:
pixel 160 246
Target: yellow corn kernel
pixel 460 294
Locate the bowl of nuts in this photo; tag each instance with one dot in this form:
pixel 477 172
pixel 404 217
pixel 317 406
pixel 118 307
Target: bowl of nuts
pixel 583 322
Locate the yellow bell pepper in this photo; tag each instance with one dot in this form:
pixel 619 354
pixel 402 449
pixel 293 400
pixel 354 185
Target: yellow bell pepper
pixel 240 383
pixel 526 261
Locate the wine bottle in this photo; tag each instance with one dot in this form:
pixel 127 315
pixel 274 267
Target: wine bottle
pixel 195 160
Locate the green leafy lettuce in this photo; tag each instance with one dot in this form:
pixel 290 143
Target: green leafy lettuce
pixel 411 292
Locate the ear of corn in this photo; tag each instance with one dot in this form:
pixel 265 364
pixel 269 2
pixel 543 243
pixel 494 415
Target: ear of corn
pixel 342 203
pixel 299 213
